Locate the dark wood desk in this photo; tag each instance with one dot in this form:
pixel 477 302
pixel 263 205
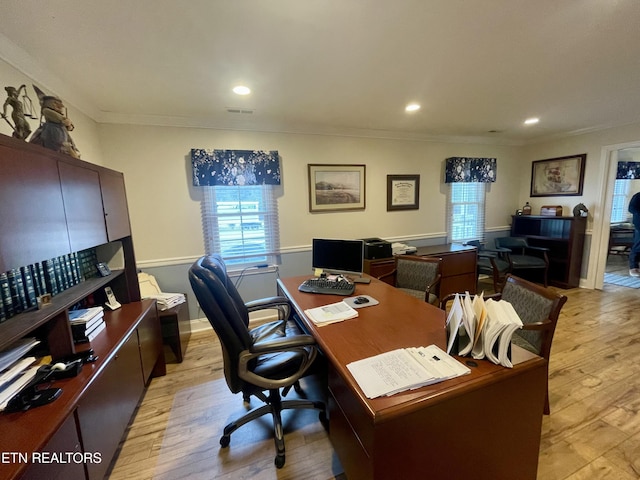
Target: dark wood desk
pixel 485 425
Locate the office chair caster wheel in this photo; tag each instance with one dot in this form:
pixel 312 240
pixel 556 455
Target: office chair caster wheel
pixel 225 440
pixel 279 461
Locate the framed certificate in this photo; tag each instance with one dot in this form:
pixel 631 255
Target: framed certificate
pixel 403 192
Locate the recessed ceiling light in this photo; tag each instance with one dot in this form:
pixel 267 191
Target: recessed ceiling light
pixel 531 121
pixel 412 107
pixel 241 90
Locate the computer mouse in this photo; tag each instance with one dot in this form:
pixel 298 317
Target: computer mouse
pixel 360 300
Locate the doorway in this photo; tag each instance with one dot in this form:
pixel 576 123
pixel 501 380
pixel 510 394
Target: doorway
pixel 615 260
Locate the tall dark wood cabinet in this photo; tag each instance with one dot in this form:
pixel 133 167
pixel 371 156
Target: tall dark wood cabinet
pixel 563 236
pixel 53 205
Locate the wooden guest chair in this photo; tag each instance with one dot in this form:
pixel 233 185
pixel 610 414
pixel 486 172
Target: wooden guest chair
pixel 267 358
pixel 524 257
pixel 539 308
pixel 417 276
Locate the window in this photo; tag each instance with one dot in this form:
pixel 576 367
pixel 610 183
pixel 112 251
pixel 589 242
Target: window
pixel 466 211
pixel 619 212
pixel 241 224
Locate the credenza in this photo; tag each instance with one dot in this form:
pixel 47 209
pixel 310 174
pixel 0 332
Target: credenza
pixel 459 263
pixel 52 205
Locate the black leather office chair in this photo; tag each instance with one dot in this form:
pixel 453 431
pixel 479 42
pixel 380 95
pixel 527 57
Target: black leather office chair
pixel 524 257
pixel 490 263
pixel 264 359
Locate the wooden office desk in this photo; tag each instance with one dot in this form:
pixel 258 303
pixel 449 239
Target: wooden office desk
pixel 485 425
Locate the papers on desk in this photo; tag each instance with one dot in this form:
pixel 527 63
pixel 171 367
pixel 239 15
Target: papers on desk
pixel 334 312
pixel 482 328
pixel 149 288
pixel 404 369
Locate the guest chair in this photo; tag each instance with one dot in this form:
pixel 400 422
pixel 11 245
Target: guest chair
pixel 524 257
pixel 267 358
pixel 489 263
pixel 417 276
pixel 539 308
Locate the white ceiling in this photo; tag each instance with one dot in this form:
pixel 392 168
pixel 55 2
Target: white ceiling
pixel 346 66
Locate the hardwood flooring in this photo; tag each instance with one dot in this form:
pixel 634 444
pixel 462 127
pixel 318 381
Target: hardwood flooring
pixel 593 431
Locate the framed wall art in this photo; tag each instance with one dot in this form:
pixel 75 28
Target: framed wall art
pixel 336 187
pixel 403 192
pixel 562 176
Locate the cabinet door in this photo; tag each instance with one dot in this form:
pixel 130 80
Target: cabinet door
pixel 64 442
pixel 32 220
pixel 114 199
pixel 83 206
pixel 150 338
pixel 105 410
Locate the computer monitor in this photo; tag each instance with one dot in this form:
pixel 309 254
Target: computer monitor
pixel 338 256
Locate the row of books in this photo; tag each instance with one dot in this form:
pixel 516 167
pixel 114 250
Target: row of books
pixel 20 287
pixel 86 323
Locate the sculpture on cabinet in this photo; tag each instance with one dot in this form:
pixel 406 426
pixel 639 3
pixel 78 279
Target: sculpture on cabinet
pixel 21 128
pixel 53 133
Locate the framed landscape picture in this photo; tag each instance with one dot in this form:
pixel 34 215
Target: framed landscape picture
pixel 562 176
pixel 336 187
pixel 403 192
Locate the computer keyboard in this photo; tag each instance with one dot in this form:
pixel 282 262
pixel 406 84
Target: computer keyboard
pixel 331 287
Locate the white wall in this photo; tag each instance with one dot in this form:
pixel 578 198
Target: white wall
pixel 165 208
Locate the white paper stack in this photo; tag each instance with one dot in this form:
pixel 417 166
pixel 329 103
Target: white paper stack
pixel 335 312
pixel 404 369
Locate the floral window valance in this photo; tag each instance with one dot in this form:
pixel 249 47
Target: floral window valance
pixel 235 167
pixel 468 169
pixel 628 171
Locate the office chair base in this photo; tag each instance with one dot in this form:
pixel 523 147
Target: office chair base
pixel 274 406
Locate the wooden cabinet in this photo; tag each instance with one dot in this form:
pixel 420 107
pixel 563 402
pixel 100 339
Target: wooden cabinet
pixel 563 236
pixel 51 205
pixel 33 223
pixel 106 408
pixel 83 206
pixel 459 263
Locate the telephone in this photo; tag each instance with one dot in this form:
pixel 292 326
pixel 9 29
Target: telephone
pixel 112 303
pixel 400 248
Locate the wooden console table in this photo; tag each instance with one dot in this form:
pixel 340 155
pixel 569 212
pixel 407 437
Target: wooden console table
pixel 459 264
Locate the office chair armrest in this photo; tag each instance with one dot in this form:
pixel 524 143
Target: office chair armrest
pixel 279 303
pixel 537 326
pixel 538 249
pixel 388 274
pixel 281 344
pixel 299 343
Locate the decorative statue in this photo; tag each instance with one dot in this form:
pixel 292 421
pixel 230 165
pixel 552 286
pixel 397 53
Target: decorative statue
pixel 20 126
pixel 54 132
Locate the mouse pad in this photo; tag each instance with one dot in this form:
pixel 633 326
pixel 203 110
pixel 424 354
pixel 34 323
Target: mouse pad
pixel 351 301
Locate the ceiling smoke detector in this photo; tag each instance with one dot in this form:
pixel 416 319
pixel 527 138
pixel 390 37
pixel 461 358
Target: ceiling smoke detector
pixel 240 111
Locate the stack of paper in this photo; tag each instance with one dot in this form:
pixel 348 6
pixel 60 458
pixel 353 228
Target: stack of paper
pixel 16 371
pixel 483 328
pixel 149 288
pixel 404 369
pixel 335 312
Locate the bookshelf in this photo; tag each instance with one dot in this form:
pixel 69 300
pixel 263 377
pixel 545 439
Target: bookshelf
pixel 563 236
pixel 52 205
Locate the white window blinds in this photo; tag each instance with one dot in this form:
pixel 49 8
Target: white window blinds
pixel 465 211
pixel 619 209
pixel 241 224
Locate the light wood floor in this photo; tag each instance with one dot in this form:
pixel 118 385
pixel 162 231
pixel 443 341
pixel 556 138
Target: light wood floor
pixel 593 431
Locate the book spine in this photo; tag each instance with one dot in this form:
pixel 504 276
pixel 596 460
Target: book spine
pixel 3 314
pixel 42 277
pixel 5 292
pixel 68 271
pixel 37 288
pixel 15 293
pixel 75 268
pixel 50 275
pixel 57 269
pixel 29 288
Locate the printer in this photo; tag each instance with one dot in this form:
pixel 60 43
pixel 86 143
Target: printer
pixel 375 248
